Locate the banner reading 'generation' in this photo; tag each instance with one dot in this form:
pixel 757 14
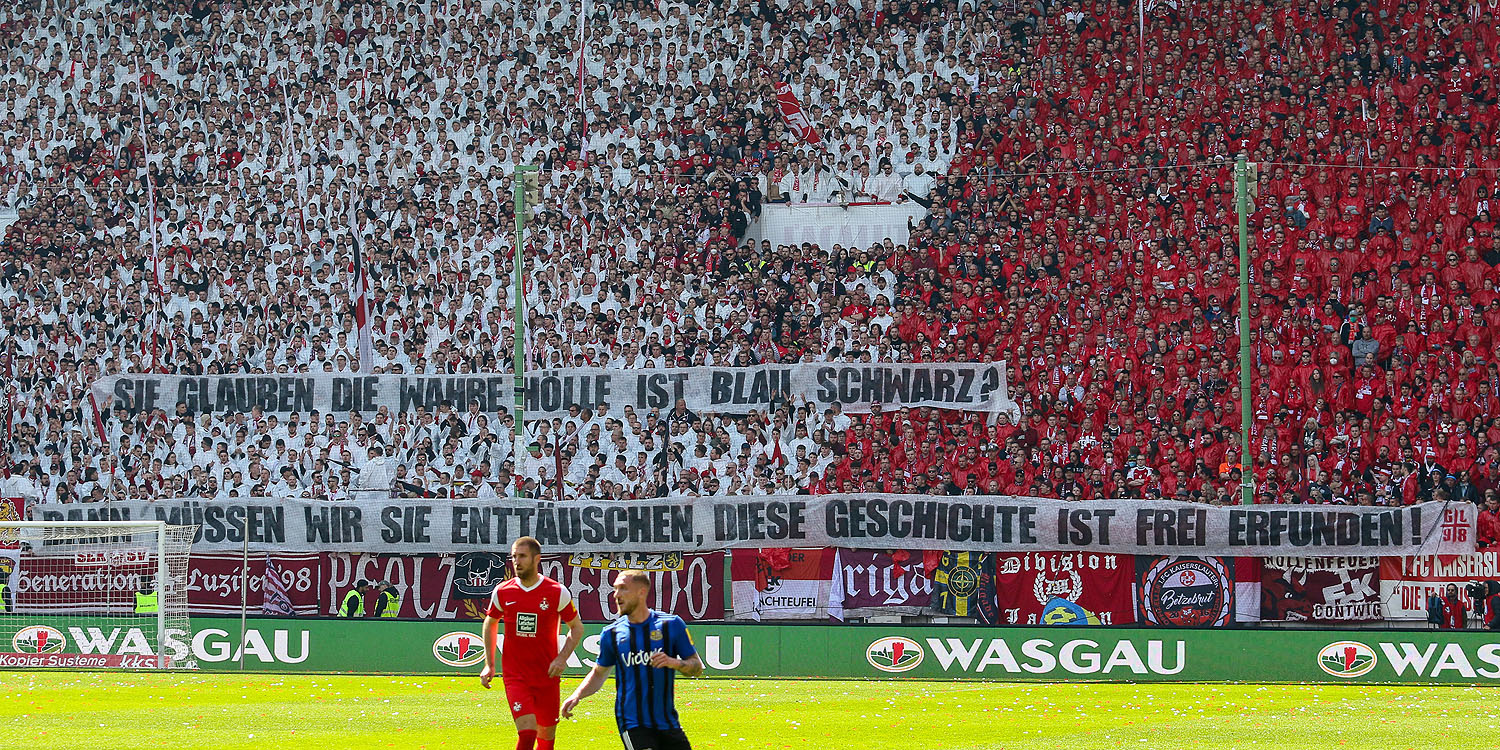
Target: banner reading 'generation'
pixel 865 521
pixel 549 393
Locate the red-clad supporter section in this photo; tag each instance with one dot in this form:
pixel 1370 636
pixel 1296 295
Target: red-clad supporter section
pixel 188 204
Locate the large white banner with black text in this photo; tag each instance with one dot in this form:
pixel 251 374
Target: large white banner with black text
pixel 865 521
pixel 732 390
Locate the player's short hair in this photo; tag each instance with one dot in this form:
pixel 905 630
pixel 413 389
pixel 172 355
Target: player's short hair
pixel 636 576
pixel 529 542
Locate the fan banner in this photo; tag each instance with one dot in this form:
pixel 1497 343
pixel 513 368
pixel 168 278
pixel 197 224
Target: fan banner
pixel 873 582
pixel 781 584
pixel 796 119
pixel 1184 592
pixel 1320 589
pixel 550 393
pixel 851 521
pixel 1407 582
pixel 689 586
pixel 444 587
pixel 216 582
pixel 11 509
pixel 60 582
pixel 964 586
pixel 429 587
pixel 827 225
pixel 1101 584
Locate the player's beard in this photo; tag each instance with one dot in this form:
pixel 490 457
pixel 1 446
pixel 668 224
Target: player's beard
pixel 634 604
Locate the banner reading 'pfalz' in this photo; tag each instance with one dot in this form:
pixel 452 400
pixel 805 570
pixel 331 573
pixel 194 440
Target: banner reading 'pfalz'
pixel 549 393
pixel 865 521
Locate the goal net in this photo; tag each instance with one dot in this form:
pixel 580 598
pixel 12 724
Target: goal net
pixel 93 594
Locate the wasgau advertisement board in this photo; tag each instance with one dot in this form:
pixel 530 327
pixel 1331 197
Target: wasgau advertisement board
pixel 868 652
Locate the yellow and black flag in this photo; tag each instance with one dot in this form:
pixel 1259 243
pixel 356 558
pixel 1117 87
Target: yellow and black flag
pixel 964 586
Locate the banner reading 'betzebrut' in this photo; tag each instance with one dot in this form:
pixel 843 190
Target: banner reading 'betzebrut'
pixel 865 521
pixel 733 390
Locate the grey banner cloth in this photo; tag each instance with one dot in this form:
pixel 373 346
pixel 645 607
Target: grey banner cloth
pixel 862 521
pixel 978 387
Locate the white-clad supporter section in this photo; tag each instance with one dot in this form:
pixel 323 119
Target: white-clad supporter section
pixel 261 130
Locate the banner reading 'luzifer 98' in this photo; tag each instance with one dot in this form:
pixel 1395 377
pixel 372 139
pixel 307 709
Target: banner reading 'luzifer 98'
pixel 732 390
pixel 865 521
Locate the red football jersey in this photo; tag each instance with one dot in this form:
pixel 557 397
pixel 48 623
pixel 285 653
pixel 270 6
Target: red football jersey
pixel 531 618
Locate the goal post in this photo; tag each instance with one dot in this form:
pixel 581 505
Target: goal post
pixel 94 594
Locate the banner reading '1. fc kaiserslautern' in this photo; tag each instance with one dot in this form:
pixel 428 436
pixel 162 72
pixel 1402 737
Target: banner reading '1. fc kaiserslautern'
pixel 549 393
pixel 865 521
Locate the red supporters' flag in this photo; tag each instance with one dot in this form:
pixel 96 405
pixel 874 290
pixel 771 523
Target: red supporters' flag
pixel 1248 572
pixel 361 299
pixel 276 600
pixel 791 111
pixel 784 584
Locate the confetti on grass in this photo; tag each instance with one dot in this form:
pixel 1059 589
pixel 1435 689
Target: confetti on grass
pixel 122 712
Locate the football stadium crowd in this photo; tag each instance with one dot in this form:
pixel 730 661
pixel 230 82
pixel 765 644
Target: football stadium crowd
pixel 1081 227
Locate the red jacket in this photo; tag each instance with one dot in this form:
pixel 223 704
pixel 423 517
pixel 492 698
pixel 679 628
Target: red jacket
pixel 1454 614
pixel 1489 528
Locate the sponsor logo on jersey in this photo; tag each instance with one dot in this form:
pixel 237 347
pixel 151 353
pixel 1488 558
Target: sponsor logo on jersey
pixel 895 654
pixel 637 659
pixel 526 623
pixel 458 649
pixel 1347 659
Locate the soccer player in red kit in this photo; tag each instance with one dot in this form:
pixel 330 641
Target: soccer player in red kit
pixel 531 664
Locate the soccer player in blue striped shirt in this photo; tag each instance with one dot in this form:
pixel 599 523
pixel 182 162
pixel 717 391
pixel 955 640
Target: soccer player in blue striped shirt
pixel 649 649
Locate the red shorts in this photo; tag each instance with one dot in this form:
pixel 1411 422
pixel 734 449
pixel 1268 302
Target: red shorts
pixel 539 699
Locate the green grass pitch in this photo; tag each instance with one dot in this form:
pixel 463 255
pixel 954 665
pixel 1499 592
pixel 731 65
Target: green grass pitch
pixel 64 711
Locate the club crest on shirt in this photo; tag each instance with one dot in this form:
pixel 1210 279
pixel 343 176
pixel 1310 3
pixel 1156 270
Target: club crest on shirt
pixel 656 634
pixel 545 605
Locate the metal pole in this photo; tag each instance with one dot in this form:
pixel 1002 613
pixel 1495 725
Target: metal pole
pixel 161 596
pixel 239 652
pixel 517 433
pixel 1140 48
pixel 1242 207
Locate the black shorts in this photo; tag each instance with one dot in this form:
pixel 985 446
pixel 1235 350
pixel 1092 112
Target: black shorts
pixel 655 739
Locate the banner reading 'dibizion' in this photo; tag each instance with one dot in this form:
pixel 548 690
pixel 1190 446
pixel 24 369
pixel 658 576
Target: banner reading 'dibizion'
pixel 732 390
pixel 863 521
pixel 1101 584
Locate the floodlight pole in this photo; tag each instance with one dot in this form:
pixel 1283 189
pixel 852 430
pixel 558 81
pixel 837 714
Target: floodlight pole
pixel 1242 208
